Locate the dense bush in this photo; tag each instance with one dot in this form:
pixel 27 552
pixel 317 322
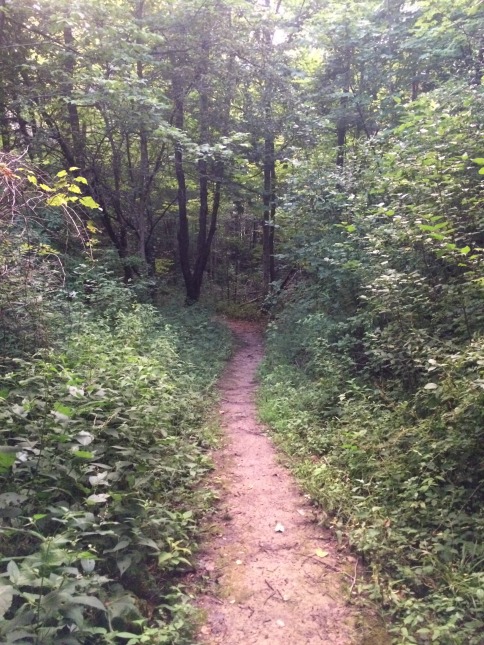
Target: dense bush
pixel 102 449
pixel 403 487
pixel 37 227
pixel 374 377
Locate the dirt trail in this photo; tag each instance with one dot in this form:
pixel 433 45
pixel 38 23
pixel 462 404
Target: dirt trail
pixel 268 587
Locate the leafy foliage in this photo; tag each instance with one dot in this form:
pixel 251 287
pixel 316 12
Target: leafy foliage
pixel 37 224
pixel 374 379
pixel 102 450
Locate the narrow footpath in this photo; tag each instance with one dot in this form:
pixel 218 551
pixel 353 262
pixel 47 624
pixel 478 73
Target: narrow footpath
pixel 274 575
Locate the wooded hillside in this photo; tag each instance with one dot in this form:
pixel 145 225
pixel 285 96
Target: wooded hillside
pixel 319 164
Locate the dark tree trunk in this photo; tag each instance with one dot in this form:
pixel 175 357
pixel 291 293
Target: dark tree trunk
pixel 142 189
pixel 183 234
pixel 73 113
pixel 341 142
pixel 4 125
pixel 269 200
pixel 269 188
pixel 342 124
pixel 207 174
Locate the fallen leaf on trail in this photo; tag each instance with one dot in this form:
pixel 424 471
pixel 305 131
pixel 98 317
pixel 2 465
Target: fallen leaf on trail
pixel 279 528
pixel 205 630
pixel 301 512
pixel 321 554
pixel 280 623
pixel 238 562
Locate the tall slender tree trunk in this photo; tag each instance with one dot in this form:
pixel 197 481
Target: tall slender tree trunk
pixel 183 233
pixel 341 139
pixel 269 188
pixel 77 143
pixel 142 189
pixel 4 126
pixel 269 200
pixel 208 174
pixel 342 124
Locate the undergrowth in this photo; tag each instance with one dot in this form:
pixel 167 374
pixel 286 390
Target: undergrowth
pixel 374 380
pixel 399 478
pixel 102 449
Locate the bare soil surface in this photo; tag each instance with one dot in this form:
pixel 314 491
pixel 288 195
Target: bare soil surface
pixel 274 575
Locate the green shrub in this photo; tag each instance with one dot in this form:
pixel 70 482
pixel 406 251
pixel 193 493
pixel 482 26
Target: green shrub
pixel 102 449
pixel 374 379
pixel 400 476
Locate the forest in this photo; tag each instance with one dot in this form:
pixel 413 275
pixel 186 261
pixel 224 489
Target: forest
pixel 314 166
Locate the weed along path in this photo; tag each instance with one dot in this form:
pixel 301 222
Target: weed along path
pixel 274 576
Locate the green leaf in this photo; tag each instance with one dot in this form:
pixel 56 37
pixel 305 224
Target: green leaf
pixel 90 601
pixel 6 598
pixel 83 454
pixel 7 459
pixel 100 498
pixel 57 200
pixel 433 227
pixel 124 563
pixel 145 541
pixel 89 202
pixel 62 173
pixel 13 572
pixel 63 410
pixel 122 544
pixel 19 636
pixel 11 499
pixel 478 160
pixel 88 564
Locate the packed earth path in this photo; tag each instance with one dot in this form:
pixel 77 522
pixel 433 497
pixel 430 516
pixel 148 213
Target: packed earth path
pixel 275 576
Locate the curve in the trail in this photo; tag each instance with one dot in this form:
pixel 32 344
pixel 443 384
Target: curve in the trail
pixel 275 576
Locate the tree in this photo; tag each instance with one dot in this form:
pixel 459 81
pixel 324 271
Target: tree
pixel 87 97
pixel 193 73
